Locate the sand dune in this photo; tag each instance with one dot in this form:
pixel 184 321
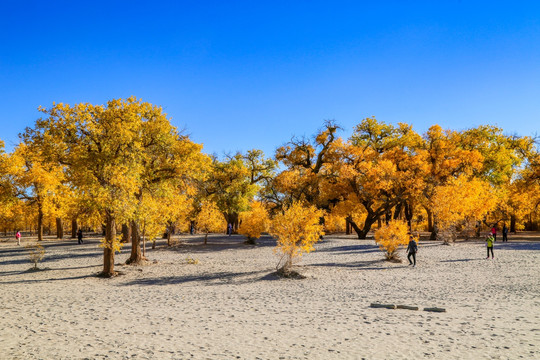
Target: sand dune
pixel 231 305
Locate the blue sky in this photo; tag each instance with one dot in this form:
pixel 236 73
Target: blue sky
pixel 250 74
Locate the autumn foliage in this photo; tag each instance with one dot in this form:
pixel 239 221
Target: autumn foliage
pixel 391 236
pixel 297 229
pixel 461 203
pixel 254 222
pixel 210 219
pixel 123 165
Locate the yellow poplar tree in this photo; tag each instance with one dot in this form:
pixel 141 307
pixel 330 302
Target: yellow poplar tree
pixel 101 146
pixel 382 170
pixel 37 178
pixel 461 201
pixel 254 222
pixel 297 229
pixel 8 202
pixel 210 219
pixel 171 163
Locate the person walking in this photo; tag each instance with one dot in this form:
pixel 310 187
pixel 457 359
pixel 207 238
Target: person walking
pixel 18 237
pixel 494 232
pixel 79 236
pixel 489 243
pixel 505 233
pixel 229 229
pixel 412 248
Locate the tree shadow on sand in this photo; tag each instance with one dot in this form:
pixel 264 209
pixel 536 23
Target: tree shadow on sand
pixel 362 265
pixel 218 243
pixel 36 281
pixel 347 249
pixel 522 245
pixel 463 260
pixel 215 279
pixel 50 258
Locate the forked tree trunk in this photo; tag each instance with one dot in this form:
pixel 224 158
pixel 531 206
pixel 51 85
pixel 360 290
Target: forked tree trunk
pixel 126 233
pixel 409 214
pixel 136 253
pixel 362 232
pixel 74 228
pixel 59 229
pixel 108 252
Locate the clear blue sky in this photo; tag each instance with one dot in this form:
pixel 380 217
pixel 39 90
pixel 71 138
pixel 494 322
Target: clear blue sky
pixel 250 74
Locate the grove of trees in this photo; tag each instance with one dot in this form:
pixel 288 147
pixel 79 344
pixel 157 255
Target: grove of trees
pixel 123 167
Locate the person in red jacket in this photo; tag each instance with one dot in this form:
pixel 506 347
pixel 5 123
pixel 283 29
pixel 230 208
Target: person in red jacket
pixel 494 232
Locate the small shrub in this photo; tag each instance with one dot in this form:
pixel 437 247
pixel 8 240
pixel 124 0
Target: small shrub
pixel 296 230
pixel 36 253
pixel 390 237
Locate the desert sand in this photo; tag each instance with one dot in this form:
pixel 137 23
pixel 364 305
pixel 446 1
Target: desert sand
pixel 231 305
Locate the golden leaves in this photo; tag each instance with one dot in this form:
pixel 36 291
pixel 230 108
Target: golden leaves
pixel 254 221
pixel 297 230
pixel 391 236
pixel 210 219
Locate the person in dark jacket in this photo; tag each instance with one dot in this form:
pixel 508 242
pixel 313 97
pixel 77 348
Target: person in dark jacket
pixel 505 233
pixel 79 236
pixel 412 248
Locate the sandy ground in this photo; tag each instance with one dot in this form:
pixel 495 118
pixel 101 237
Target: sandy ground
pixel 231 305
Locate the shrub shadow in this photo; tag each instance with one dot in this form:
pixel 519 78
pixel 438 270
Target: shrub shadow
pixel 362 265
pixel 216 279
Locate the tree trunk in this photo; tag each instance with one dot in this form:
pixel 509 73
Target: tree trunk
pixel 232 218
pixel 205 238
pixel 362 233
pixel 409 214
pixel 143 246
pixel 513 224
pixel 429 220
pixel 108 252
pixel 347 227
pixel 397 211
pixel 74 228
pixel 59 229
pixel 136 254
pixel 40 223
pixel 435 233
pixel 170 231
pixel 126 233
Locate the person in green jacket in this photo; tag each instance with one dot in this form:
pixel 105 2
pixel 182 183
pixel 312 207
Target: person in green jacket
pixel 489 244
